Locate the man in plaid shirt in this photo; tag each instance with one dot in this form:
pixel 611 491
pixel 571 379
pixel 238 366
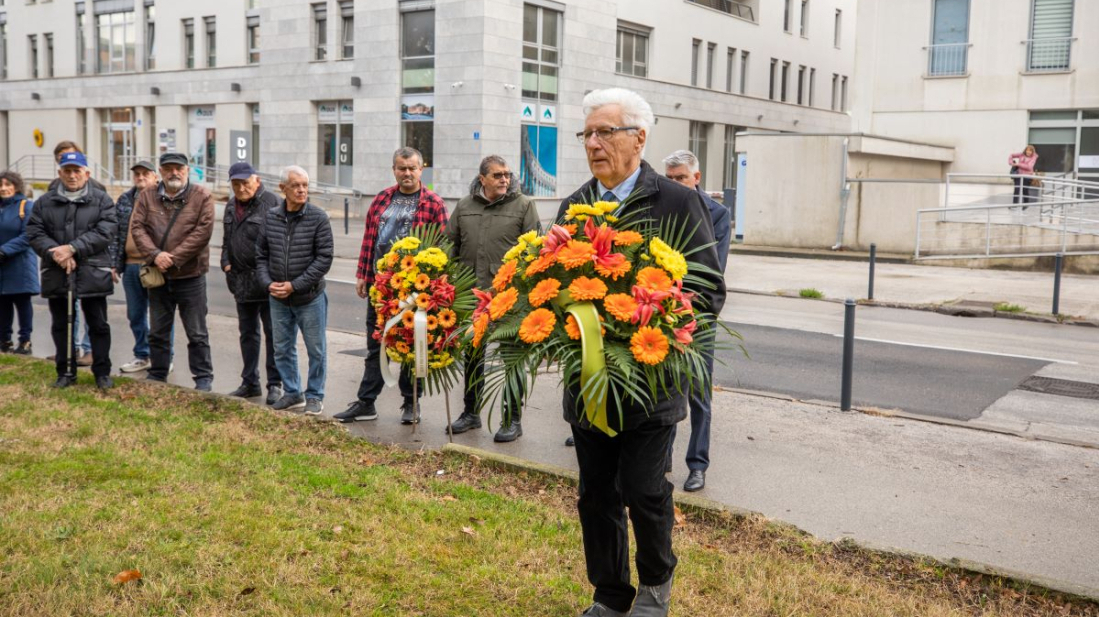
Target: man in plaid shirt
pixel 392 215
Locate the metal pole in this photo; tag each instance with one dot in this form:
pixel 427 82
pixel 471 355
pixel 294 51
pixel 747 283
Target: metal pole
pixel 1058 261
pixel 848 353
pixel 346 216
pixel 873 258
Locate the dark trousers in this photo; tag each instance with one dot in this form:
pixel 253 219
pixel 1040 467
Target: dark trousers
pixel 616 473
pixel 251 317
pixel 474 384
pixel 698 447
pixel 95 315
pixel 189 296
pixel 1024 193
pixel 10 304
pixel 371 385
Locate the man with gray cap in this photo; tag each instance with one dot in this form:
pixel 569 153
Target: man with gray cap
pixel 171 226
pixel 127 267
pixel 244 221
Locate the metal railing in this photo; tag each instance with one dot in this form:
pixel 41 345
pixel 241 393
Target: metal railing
pixel 43 167
pixel 968 189
pixel 738 9
pixel 1048 55
pixel 947 59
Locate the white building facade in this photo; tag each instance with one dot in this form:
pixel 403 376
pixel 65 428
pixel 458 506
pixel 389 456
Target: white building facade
pixel 336 86
pixel 986 77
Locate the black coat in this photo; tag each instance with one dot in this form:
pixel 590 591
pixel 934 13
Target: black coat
pixel 89 225
pixel 662 199
pixel 295 247
pixel 238 246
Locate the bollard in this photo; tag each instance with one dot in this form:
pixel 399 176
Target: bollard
pixel 848 353
pixel 873 260
pixel 346 216
pixel 1058 261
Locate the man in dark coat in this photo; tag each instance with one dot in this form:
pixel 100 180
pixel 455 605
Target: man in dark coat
pixel 628 469
pixel 71 229
pixel 244 220
pixel 127 267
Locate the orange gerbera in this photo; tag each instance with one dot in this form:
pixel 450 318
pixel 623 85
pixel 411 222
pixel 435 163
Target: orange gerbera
pixel 423 301
pixel 537 326
pixel 654 279
pixel 649 345
pixel 544 291
pixel 620 306
pixel 479 326
pixel 572 328
pixel 432 322
pixel 503 276
pixel 540 265
pixel 615 269
pixel 627 238
pixel 571 227
pixel 407 320
pixel 502 302
pixel 423 281
pixel 575 254
pixel 447 318
pixel 408 262
pixel 401 346
pixel 584 288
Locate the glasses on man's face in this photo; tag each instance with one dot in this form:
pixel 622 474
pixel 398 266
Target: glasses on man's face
pixel 499 175
pixel 604 134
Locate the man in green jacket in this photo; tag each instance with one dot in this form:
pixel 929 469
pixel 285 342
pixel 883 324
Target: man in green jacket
pixel 484 225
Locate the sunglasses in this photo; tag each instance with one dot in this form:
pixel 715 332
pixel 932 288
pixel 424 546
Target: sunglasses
pixel 500 175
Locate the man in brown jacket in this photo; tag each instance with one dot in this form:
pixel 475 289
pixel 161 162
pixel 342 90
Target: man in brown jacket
pixel 171 226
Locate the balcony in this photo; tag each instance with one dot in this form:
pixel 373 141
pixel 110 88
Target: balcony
pixel 947 60
pixel 1048 55
pixel 742 10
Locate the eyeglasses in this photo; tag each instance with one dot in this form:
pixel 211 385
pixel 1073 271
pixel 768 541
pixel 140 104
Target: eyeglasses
pixel 604 134
pixel 499 175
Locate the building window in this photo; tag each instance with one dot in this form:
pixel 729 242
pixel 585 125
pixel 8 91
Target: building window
pixel 787 18
pixel 843 93
pixel 730 67
pixel 347 30
pixel 335 130
pixel 785 80
pixel 32 57
pixel 801 84
pixel 418 52
pixel 805 18
pixel 320 31
pixel 255 136
pixel 115 42
pixel 1067 141
pixel 632 51
pixel 81 44
pixel 150 38
pixel 743 72
pixel 812 85
pixel 949 49
pixel 541 52
pixel 744 10
pixel 710 53
pixel 211 42
pixel 3 46
pixel 728 179
pixel 773 77
pixel 837 29
pixel 1050 44
pixel 835 91
pixel 49 55
pixel 253 39
pixel 189 43
pixel 698 132
pixel 696 48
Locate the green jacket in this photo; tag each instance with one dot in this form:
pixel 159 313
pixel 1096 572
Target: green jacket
pixel 482 232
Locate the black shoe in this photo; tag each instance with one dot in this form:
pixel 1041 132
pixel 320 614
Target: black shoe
pixel 247 391
pixel 570 442
pixel 204 385
pixel 23 349
pixel 465 422
pixel 509 433
pixel 6 347
pixel 410 413
pixel 274 393
pixel 104 382
pixel 64 381
pixel 357 412
pixel 696 481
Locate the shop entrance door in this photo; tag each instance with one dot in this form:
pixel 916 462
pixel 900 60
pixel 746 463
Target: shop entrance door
pixel 118 142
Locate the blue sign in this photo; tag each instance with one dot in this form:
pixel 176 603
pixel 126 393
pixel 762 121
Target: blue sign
pixel 476 135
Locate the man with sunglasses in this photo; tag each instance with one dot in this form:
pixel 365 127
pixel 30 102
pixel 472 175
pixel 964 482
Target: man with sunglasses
pixel 485 224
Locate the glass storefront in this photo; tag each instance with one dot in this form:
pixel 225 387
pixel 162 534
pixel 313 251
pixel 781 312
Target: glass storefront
pixel 202 137
pixel 336 142
pixel 118 141
pixel 1067 142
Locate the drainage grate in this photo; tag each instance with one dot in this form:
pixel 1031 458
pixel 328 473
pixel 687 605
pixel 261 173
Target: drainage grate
pixel 1061 387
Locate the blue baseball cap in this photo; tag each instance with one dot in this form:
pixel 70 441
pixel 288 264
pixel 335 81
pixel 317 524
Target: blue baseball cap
pixel 73 158
pixel 241 171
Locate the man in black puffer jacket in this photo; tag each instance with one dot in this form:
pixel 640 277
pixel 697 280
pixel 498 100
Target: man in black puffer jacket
pixel 71 229
pixel 293 254
pixel 244 220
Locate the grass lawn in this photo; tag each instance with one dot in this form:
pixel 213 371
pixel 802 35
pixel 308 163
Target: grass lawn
pixel 231 509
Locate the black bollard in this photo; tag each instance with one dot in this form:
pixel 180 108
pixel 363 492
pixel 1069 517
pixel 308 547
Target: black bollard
pixel 873 260
pixel 848 353
pixel 346 216
pixel 1058 262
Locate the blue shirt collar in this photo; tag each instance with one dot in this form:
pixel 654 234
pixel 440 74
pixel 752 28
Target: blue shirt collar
pixel 624 188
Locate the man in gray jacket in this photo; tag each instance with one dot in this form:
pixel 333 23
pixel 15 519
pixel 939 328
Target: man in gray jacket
pixel 485 224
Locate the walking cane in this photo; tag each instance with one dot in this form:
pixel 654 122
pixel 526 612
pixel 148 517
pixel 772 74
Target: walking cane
pixel 71 363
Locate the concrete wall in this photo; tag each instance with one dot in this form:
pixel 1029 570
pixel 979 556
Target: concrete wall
pixel 55 124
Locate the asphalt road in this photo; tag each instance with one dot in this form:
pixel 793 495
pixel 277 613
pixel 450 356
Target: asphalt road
pixel 805 365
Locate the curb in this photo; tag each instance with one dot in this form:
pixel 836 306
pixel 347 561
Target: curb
pixel 707 506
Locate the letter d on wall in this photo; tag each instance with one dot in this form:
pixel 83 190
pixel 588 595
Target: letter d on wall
pixel 241 146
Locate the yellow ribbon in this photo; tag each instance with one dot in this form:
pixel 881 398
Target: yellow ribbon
pixel 592 360
pixel 419 340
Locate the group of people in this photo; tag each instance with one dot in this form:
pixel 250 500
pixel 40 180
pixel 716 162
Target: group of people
pixel 275 255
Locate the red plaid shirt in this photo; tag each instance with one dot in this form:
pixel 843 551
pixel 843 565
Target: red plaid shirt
pixel 431 209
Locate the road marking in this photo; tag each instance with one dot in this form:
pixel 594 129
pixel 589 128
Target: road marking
pixel 987 353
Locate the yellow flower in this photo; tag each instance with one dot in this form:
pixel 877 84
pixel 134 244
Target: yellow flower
pixel 529 237
pixel 515 251
pixel 581 212
pixel 605 207
pixel 668 258
pixel 393 354
pixel 408 243
pixel 433 256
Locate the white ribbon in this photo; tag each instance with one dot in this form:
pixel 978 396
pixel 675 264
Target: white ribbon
pixel 419 340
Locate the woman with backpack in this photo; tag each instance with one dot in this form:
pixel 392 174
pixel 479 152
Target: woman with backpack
pixel 18 265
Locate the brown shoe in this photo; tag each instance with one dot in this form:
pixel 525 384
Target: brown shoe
pixel 85 360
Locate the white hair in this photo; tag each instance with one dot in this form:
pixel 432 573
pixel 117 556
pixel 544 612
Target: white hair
pixel 682 157
pixel 635 109
pixel 284 177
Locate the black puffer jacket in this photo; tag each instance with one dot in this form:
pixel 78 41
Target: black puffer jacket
pixel 89 225
pixel 238 246
pixel 295 247
pixel 124 207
